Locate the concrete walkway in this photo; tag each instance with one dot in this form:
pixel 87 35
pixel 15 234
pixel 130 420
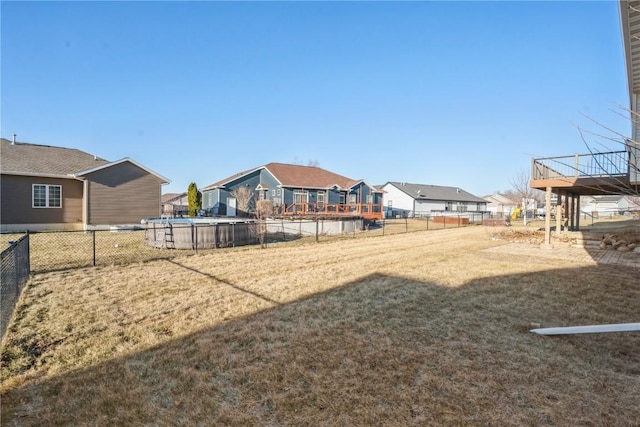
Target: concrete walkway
pixel 571 253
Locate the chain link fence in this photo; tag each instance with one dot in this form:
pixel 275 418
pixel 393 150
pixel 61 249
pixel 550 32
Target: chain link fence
pixel 74 249
pixel 14 273
pixel 319 229
pixel 60 250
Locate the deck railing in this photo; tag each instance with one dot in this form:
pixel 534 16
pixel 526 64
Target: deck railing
pixel 367 210
pixel 596 165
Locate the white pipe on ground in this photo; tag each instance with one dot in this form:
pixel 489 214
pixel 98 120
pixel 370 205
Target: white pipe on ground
pixel 590 329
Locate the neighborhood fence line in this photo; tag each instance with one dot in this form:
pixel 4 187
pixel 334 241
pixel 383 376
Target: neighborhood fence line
pixel 319 229
pixel 61 250
pixel 15 274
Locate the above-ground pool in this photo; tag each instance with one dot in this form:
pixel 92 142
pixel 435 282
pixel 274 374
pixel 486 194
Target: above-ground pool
pixel 200 233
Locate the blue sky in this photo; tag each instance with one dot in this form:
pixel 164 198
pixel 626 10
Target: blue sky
pixel 445 93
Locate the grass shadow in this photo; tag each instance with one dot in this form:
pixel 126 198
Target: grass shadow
pixel 381 350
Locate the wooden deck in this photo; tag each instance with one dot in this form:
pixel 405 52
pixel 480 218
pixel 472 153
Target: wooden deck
pixel 570 177
pixel 365 210
pixel 583 174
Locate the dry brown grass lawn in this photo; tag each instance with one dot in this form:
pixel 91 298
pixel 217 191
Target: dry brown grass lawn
pixel 427 328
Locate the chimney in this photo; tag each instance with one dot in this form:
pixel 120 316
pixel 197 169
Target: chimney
pixel 13 141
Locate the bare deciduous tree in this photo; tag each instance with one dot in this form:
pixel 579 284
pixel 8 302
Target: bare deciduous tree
pixel 244 200
pixel 526 194
pixel 310 162
pixel 598 142
pixel 264 209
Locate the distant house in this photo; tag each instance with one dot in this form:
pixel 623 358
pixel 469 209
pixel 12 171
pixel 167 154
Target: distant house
pixel 296 190
pixel 508 204
pixel 500 205
pixel 175 204
pixel 45 187
pixel 415 200
pixel 610 205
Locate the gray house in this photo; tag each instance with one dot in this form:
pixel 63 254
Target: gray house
pixel 55 188
pixel 415 200
pixel 607 206
pixel 175 204
pixel 296 190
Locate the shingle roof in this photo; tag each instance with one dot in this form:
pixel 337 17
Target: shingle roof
pixel 46 160
pixel 307 176
pixel 436 192
pixel 33 159
pixel 173 197
pixel 296 176
pixel 607 199
pixel 499 199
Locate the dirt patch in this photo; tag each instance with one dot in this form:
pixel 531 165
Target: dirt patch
pixel 532 236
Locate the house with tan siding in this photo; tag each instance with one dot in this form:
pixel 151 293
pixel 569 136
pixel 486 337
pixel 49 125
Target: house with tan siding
pixel 56 188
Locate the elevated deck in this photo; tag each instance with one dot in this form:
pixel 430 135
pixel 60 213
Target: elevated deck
pixel 583 174
pixel 370 211
pixel 579 175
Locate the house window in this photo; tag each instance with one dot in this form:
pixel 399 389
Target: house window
pixel 448 206
pixel 273 192
pixel 353 199
pixel 47 196
pixel 342 196
pixel 261 195
pixel 462 206
pixel 321 197
pixel 300 196
pixel 276 201
pixel 279 192
pixel 369 198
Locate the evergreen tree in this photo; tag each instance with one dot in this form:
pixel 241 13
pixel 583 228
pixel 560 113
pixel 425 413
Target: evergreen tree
pixel 195 199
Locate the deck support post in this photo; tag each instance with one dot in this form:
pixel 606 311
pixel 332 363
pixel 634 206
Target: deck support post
pixel 577 228
pixel 572 212
pixel 547 218
pixel 560 205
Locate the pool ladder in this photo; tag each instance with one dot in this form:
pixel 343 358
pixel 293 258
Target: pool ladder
pixel 169 243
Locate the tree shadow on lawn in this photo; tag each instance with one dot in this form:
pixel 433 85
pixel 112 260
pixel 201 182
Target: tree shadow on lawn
pixel 379 351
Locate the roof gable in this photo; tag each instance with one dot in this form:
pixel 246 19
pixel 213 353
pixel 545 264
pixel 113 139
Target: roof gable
pixel 126 159
pixel 46 160
pixel 436 192
pixel 229 179
pixel 32 159
pixel 499 199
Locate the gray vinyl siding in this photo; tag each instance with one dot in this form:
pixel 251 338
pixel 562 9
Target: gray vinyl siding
pixel 210 200
pixel 363 191
pixel 333 196
pixel 16 201
pixel 214 201
pixel 268 179
pixel 122 194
